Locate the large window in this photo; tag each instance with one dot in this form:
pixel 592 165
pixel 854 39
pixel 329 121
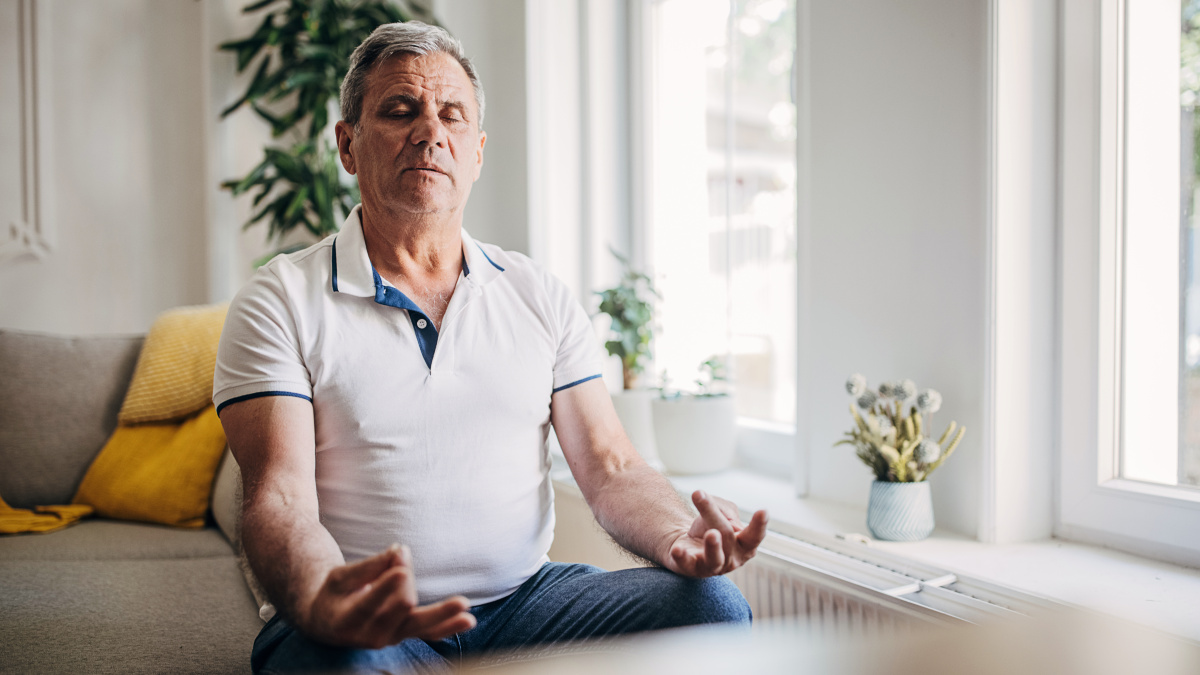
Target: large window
pixel 1188 472
pixel 721 198
pixel 1131 296
pixel 1160 300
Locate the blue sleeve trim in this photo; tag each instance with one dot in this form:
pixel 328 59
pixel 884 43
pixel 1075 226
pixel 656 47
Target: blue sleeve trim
pixel 572 384
pixel 489 258
pixel 260 394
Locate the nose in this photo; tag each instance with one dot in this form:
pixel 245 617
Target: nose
pixel 428 130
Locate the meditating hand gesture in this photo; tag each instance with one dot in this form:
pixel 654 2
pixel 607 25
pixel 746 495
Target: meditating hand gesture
pixel 373 603
pixel 717 542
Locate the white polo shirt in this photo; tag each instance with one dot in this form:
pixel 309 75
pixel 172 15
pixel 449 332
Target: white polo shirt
pixel 434 439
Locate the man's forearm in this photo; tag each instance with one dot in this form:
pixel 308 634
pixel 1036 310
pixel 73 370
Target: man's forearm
pixel 290 553
pixel 640 509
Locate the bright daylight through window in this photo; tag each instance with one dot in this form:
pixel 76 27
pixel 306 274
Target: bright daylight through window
pixel 1189 450
pixel 1160 250
pixel 722 234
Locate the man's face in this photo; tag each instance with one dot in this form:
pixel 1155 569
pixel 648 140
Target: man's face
pixel 417 148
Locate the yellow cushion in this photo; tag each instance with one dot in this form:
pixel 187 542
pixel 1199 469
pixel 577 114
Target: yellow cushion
pixel 174 374
pixel 158 473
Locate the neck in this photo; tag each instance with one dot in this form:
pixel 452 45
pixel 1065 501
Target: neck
pixel 415 247
pixel 422 258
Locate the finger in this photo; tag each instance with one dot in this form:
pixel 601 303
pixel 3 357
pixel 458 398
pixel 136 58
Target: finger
pixel 422 619
pixel 381 596
pixel 730 511
pixel 460 623
pixel 687 562
pixel 683 558
pixel 346 578
pixel 714 552
pixel 396 609
pixel 754 533
pixel 715 519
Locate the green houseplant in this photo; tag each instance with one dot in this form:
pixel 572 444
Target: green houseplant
pixel 630 306
pixel 889 436
pixel 299 54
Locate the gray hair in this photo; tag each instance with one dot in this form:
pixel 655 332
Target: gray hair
pixel 391 39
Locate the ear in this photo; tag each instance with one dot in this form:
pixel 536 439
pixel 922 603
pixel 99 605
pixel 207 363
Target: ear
pixel 479 154
pixel 345 141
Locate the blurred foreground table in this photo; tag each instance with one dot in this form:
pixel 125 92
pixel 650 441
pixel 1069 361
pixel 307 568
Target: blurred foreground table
pixel 1061 644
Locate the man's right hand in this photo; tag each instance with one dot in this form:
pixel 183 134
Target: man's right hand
pixel 373 603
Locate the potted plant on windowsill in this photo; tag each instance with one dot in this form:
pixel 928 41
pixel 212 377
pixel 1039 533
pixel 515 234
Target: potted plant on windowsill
pixel 630 306
pixel 697 432
pixel 894 445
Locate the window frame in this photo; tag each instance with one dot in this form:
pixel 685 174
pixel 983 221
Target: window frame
pixel 1095 504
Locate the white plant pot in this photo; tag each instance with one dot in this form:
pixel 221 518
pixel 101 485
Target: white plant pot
pixel 633 409
pixel 695 434
pixel 900 511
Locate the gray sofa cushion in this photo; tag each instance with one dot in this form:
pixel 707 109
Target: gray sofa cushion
pixel 59 399
pixel 127 616
pixel 115 540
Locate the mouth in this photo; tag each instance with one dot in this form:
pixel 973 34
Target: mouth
pixel 425 169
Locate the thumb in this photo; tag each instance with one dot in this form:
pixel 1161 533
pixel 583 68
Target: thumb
pixel 356 575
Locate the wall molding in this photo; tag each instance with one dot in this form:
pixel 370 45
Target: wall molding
pixel 26 227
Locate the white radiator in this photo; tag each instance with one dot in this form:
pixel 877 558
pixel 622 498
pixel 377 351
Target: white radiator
pixel 841 589
pixel 837 588
pixel 774 592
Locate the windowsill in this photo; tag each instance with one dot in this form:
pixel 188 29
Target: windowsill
pixel 1151 593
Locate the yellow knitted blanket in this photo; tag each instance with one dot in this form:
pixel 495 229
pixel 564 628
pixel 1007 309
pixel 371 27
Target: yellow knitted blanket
pixel 41 518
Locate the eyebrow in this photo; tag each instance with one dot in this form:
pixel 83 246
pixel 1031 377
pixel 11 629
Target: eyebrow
pixel 409 99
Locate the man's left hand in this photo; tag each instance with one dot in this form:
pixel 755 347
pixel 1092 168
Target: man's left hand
pixel 717 542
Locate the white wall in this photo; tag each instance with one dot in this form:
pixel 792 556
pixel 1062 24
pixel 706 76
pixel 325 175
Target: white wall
pixel 128 156
pixel 898 216
pixel 139 152
pixel 493 35
pixel 234 145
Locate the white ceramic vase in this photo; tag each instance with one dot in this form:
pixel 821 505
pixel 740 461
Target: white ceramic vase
pixel 633 409
pixel 900 511
pixel 695 434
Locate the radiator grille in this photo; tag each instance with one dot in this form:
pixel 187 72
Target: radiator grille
pixel 846 590
pixel 778 594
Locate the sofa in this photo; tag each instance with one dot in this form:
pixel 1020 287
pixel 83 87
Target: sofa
pixel 105 596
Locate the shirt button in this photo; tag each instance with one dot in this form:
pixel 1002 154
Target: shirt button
pixel 421 323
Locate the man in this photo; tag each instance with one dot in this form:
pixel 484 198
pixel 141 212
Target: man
pixel 388 395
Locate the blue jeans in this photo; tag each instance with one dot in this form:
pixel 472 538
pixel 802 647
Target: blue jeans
pixel 561 602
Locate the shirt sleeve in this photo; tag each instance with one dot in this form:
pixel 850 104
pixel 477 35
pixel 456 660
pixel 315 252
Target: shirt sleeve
pixel 579 358
pixel 259 353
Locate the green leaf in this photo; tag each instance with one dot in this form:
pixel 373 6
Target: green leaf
pixel 254 7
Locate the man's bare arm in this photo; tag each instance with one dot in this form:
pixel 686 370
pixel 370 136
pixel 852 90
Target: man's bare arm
pixel 637 505
pixel 371 603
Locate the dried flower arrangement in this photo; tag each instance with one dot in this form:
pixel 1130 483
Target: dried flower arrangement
pixel 893 444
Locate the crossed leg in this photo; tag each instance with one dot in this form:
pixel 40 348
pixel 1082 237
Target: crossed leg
pixel 560 603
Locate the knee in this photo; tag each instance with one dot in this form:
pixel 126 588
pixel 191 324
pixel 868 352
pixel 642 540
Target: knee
pixel 711 600
pixel 721 601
